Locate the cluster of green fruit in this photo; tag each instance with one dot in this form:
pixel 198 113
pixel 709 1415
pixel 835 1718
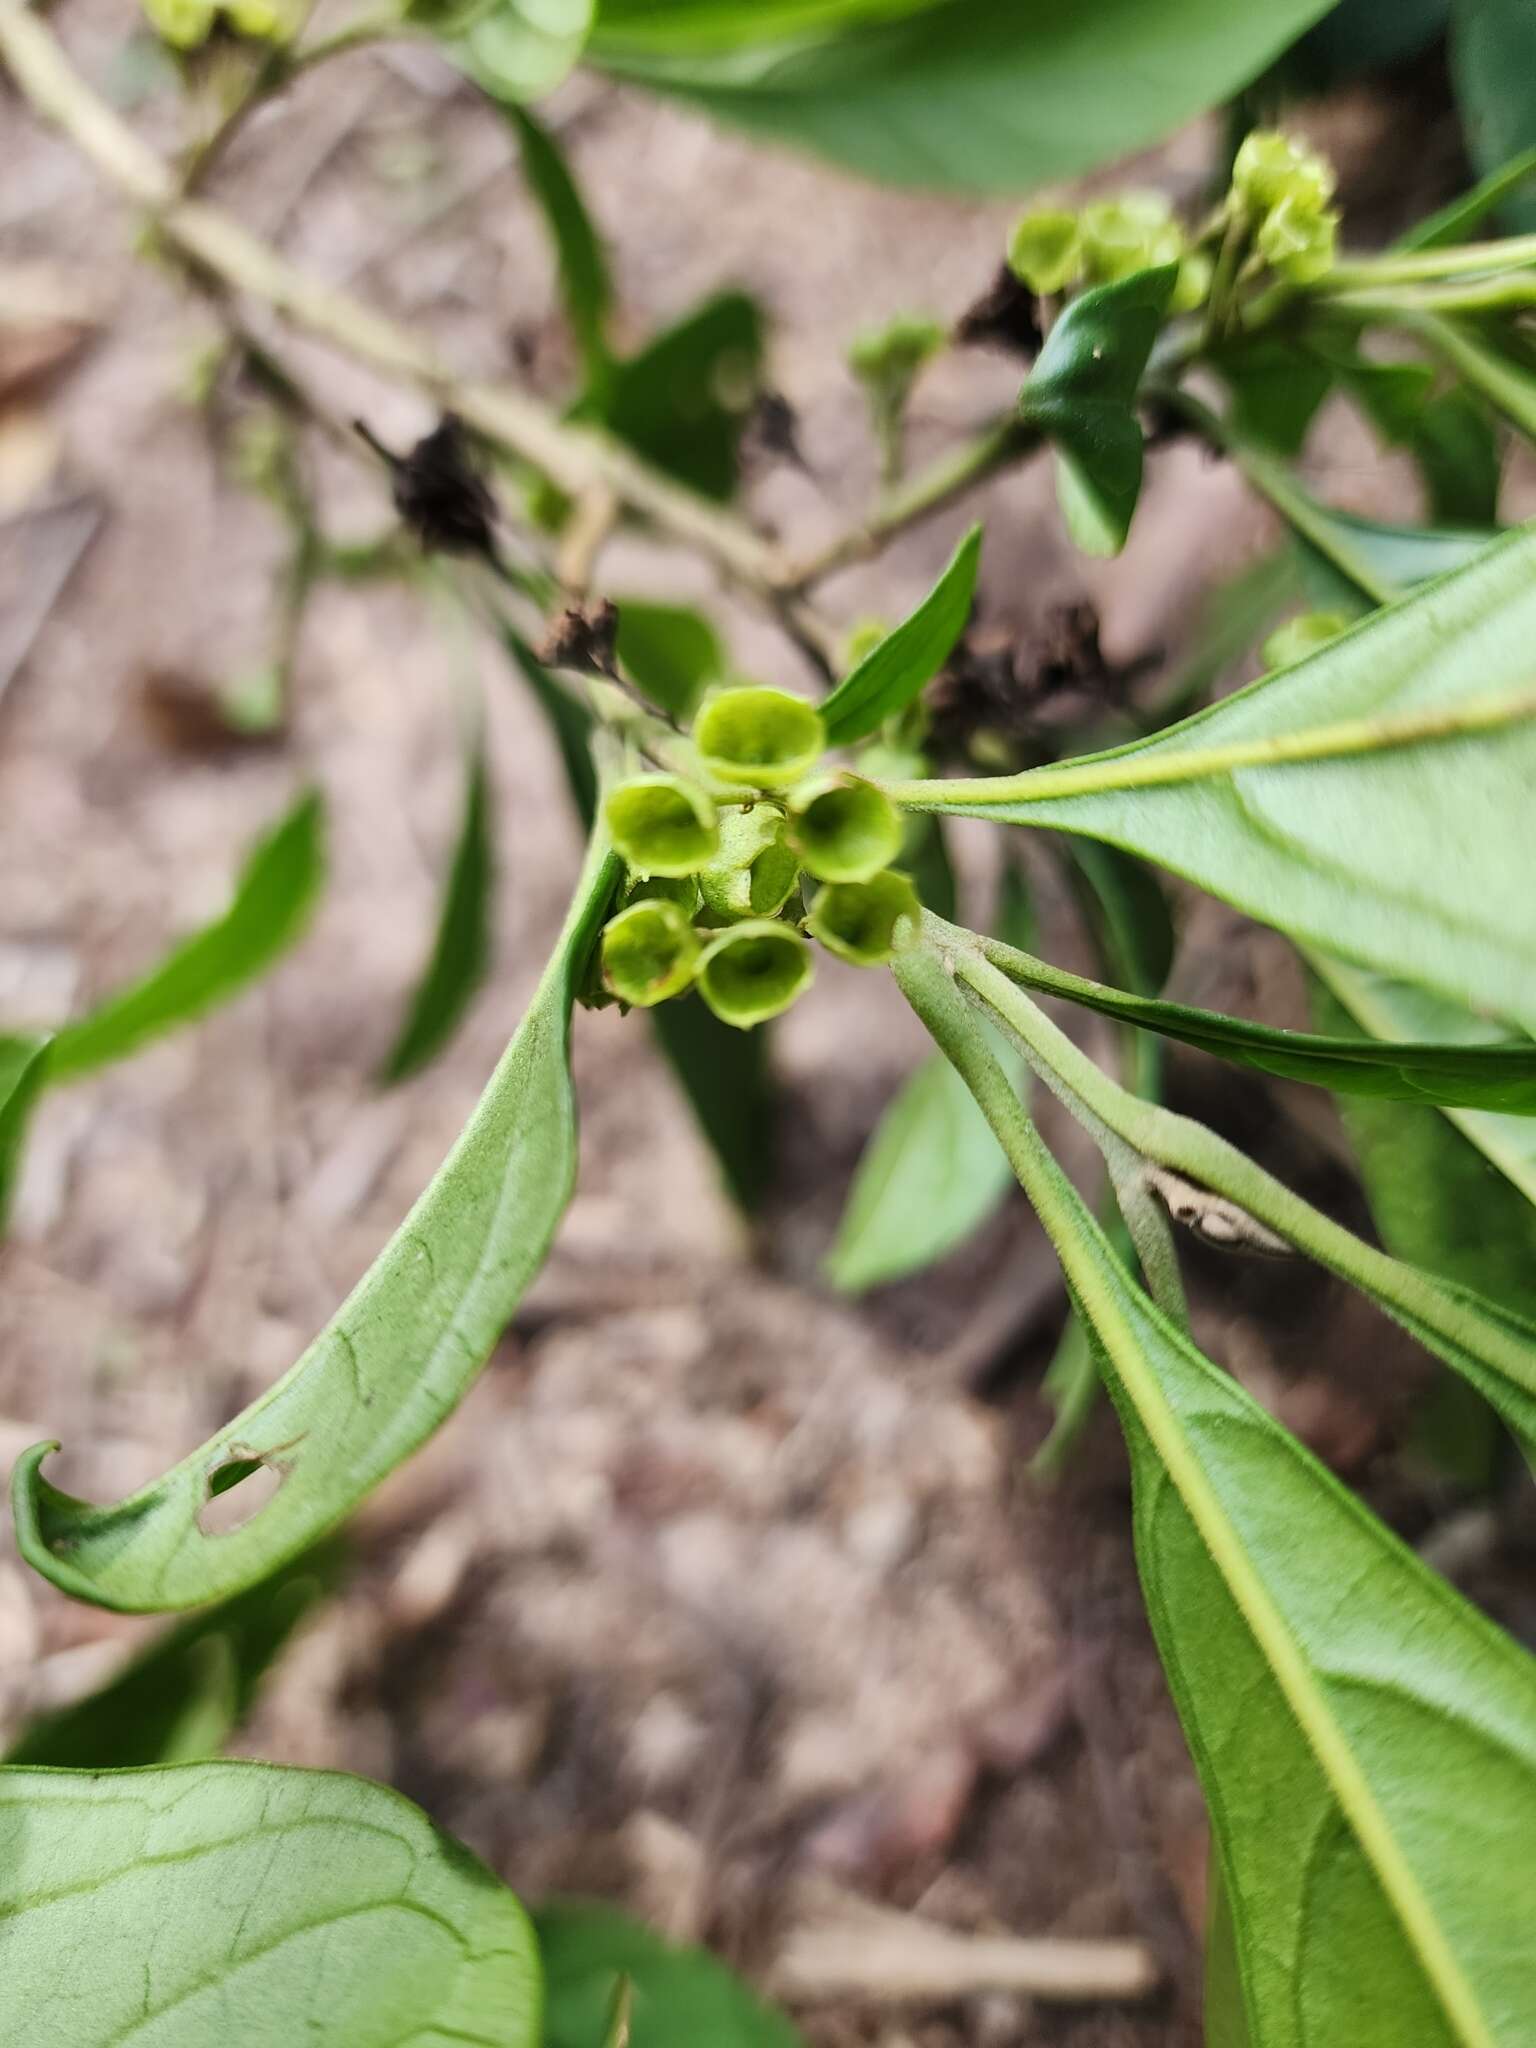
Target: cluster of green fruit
pixel 1277 212
pixel 721 862
pixel 187 24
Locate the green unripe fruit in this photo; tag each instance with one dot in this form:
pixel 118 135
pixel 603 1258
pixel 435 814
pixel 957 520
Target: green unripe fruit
pixel 650 952
pixel 1192 286
pixel 866 922
pixel 1302 636
pixel 1272 167
pixel 266 21
pixel 754 872
pixel 1298 241
pixel 663 825
pixel 184 24
pixel 844 829
pixel 1135 232
pixel 754 971
pixel 1045 250
pixel 896 352
pixel 762 737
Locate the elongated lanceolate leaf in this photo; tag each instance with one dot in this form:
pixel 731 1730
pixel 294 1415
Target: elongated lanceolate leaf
pixel 585 284
pixel 1459 221
pixel 1081 393
pixel 972 95
pixel 398 1357
pixel 1366 1739
pixel 906 661
pixel 22 1065
pixel 184 1695
pixel 1407 859
pixel 272 901
pixel 1498 1075
pixel 569 722
pixel 224 1902
pixel 1493 55
pixel 461 951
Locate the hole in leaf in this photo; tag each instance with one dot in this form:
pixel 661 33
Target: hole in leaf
pixel 239 1487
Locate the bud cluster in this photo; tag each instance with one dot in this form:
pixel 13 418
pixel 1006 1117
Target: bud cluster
pixel 1283 187
pixel 732 865
pixel 187 24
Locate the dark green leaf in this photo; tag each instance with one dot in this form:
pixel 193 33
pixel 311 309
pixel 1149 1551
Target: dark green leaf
pixel 966 94
pixel 1499 1075
pixel 23 1064
pixel 1082 395
pixel 461 951
pixel 1493 60
pixel 670 652
pixel 1128 912
pixel 904 663
pixel 1459 221
pixel 678 1995
pixel 1358 36
pixel 926 859
pixel 584 280
pixel 1487 363
pixel 223 1902
pixel 1276 389
pixel 272 902
pixel 569 721
pixel 727 24
pixel 1233 618
pixel 1366 1739
pixel 1457 449
pixel 725 1075
pixel 1401 556
pixel 184 1695
pixel 399 1355
pixel 1400 858
pixel 683 401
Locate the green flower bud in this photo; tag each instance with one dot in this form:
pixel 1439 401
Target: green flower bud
pixel 1135 232
pixel 663 825
pixel 754 872
pixel 1298 241
pixel 1045 250
pixel 866 922
pixel 683 890
pixel 754 971
pixel 894 354
pixel 182 23
pixel 862 640
pixel 1301 636
pixel 1272 167
pixel 755 735
pixel 844 829
pixel 1192 286
pixel 650 952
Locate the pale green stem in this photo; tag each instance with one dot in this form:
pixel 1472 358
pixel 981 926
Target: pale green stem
pixel 1465 259
pixel 1507 388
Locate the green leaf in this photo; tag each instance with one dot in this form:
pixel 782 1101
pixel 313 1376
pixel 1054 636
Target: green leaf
pixel 1398 859
pixel 1498 1074
pixel 584 280
pixel 671 652
pixel 1494 373
pixel 1457 450
pixel 462 949
pixel 678 1995
pixel 1127 911
pixel 1081 394
pixel 1233 618
pixel 399 1355
pixel 1493 59
pixel 1366 1739
pixel 965 95
pixel 727 24
pixel 272 902
pixel 568 719
pixel 23 1064
pixel 184 1695
pixel 1459 221
pixel 522 49
pixel 238 1901
pixel 1276 389
pixel 906 661
pixel 683 401
pixel 929 1177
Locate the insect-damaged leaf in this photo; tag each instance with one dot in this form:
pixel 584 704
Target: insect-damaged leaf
pixel 1366 1739
pixel 907 660
pixel 272 901
pixel 398 1357
pixel 462 949
pixel 1082 395
pixel 239 1901
pixel 1400 859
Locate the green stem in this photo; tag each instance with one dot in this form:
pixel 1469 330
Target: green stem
pixel 1200 1156
pixel 1509 390
pixel 1466 259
